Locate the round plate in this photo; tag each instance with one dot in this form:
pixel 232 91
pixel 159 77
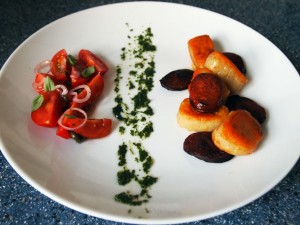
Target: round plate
pixel 83 176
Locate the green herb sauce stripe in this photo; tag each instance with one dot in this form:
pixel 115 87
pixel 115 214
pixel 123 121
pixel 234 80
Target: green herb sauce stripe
pixel 136 116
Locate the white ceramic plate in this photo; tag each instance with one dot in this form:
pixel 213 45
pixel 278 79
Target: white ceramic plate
pixel 83 176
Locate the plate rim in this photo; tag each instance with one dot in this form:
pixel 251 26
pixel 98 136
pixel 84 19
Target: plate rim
pixel 61 200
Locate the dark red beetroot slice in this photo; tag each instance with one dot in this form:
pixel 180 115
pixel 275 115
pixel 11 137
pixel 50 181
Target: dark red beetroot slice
pixel 201 146
pixel 177 80
pixel 206 93
pixel 237 61
pixel 236 102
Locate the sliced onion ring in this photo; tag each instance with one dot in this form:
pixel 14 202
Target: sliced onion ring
pixel 45 63
pixel 88 93
pixel 72 128
pixel 63 88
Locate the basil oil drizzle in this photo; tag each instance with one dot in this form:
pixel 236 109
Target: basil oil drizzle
pixel 135 75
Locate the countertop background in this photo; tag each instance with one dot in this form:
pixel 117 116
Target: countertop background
pixel 277 20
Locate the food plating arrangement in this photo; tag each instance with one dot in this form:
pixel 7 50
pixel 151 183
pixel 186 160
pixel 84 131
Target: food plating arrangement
pixel 67 91
pixel 149 119
pixel 224 124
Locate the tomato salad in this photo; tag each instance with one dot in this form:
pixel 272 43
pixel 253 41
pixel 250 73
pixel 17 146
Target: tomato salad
pixel 66 93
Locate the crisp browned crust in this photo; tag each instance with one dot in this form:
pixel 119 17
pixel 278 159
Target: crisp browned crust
pixel 239 134
pixel 220 65
pixel 189 118
pixel 199 48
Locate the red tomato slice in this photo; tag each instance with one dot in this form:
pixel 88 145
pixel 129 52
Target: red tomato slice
pixel 93 128
pixel 38 84
pixel 60 66
pixel 62 132
pixel 50 110
pixel 96 85
pixel 90 59
pixel 76 78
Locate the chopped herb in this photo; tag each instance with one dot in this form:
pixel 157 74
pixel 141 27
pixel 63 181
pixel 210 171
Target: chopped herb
pixel 148 181
pixel 122 154
pixel 148 164
pixel 70 116
pixel 143 154
pixel 130 199
pixel 37 102
pixel 72 60
pixel 122 130
pixel 125 176
pixel 88 71
pixel 49 84
pixel 135 112
pixel 117 111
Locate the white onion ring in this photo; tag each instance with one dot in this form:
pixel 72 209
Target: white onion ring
pixel 88 93
pixel 63 88
pixel 72 128
pixel 42 64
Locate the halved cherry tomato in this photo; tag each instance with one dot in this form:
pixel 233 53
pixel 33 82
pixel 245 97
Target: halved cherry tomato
pixel 50 110
pixel 76 77
pixel 93 128
pixel 53 105
pixel 38 84
pixel 96 85
pixel 90 59
pixel 60 66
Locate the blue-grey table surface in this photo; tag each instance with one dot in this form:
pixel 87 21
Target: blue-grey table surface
pixel 277 20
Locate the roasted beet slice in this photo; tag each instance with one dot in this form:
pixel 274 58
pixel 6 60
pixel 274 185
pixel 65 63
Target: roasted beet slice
pixel 207 93
pixel 237 61
pixel 177 80
pixel 236 102
pixel 201 146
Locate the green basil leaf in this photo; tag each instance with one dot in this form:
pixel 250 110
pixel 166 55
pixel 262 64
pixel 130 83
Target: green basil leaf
pixel 49 84
pixel 37 102
pixel 88 71
pixel 70 116
pixel 72 60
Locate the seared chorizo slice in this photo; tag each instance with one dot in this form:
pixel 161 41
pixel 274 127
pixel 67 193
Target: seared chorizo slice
pixel 237 61
pixel 201 146
pixel 177 80
pixel 207 93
